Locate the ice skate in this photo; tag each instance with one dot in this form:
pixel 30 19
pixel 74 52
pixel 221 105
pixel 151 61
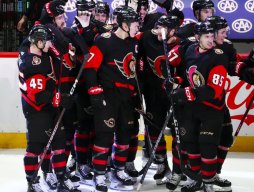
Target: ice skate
pixel 51 180
pixel 121 181
pixel 84 172
pixel 34 185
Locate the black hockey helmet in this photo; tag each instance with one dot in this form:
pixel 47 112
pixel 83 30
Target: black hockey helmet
pixel 201 4
pixel 218 22
pixel 85 5
pixel 169 21
pixel 102 7
pixel 128 15
pixel 39 32
pixel 142 3
pixel 203 28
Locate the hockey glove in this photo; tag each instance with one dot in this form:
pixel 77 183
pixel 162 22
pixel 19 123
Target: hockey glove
pixel 96 97
pixel 235 68
pixel 171 83
pixel 43 97
pixel 183 95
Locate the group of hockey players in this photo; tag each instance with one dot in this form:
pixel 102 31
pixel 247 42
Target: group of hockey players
pixel 125 57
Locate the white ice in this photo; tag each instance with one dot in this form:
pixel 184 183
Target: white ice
pixel 238 168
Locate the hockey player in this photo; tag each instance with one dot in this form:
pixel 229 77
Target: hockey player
pixel 222 28
pixel 102 12
pixel 152 75
pixel 201 10
pixel 147 20
pixel 110 82
pixel 204 102
pixel 38 86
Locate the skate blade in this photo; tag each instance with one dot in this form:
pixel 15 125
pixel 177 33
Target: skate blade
pixel 120 187
pixel 222 189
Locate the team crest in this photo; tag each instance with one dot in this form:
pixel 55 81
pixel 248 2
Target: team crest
pixel 218 51
pixel 127 66
pixel 156 65
pixel 110 122
pixel 36 60
pixel 195 78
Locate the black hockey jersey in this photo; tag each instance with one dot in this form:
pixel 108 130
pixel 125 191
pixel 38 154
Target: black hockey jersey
pixel 206 73
pixel 152 67
pixel 36 75
pixel 112 62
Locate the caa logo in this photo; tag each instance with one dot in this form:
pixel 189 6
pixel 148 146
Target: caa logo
pixel 227 6
pixel 188 20
pixel 242 25
pixel 249 6
pixel 178 4
pixel 70 6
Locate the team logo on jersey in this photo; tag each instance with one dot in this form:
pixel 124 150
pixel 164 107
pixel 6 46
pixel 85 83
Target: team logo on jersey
pixel 218 51
pixel 249 6
pixel 36 60
pixel 228 6
pixel 127 66
pixel 110 122
pixel 70 6
pixel 195 78
pixel 242 25
pixel 188 20
pixel 178 4
pixel 156 65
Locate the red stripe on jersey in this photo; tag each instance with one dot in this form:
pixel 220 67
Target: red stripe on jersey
pixel 68 60
pixel 81 136
pixel 100 162
pixel 100 149
pixel 36 107
pixel 122 147
pixel 176 160
pixel 119 158
pixel 217 79
pixel 95 58
pixel 59 164
pixel 123 85
pixel 208 173
pixel 31 167
pixel 214 106
pixel 67 79
pixel 194 156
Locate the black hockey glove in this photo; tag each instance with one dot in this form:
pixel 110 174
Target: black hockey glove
pixel 43 97
pixel 66 100
pixel 183 95
pixel 171 83
pixel 235 68
pixel 96 97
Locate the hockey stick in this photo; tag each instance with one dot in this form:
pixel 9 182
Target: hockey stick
pixel 148 119
pixel 60 117
pixel 186 171
pixel 142 108
pixel 243 118
pixel 148 164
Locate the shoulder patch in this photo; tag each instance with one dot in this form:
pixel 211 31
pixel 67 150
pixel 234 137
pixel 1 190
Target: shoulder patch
pixel 106 35
pixel 193 39
pixel 218 51
pixel 227 41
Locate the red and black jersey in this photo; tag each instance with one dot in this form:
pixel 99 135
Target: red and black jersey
pixel 152 65
pixel 36 75
pixel 206 73
pixel 112 62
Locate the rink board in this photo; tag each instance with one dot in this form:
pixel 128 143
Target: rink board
pixel 13 127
